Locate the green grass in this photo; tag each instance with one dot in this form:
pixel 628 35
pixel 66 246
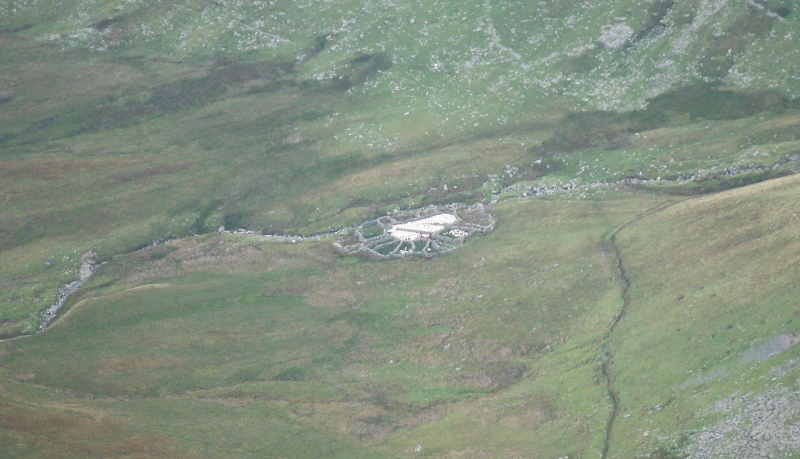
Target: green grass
pixel 176 148
pixel 128 124
pixel 264 324
pixel 692 315
pixel 494 349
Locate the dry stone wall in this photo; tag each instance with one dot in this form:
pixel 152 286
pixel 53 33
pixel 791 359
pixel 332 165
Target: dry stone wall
pixel 427 232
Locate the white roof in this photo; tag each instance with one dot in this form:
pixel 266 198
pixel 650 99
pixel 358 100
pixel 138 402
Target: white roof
pixel 422 228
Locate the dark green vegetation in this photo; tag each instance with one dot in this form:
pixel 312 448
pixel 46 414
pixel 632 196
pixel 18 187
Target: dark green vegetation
pixel 126 123
pixel 689 104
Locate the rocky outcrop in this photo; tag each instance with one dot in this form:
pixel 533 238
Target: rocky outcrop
pixel 90 261
pixel 6 95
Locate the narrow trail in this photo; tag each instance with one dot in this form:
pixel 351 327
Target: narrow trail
pixel 607 354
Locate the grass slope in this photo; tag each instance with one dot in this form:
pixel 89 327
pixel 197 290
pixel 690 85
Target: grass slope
pixel 128 124
pixel 701 318
pixel 619 317
pixel 387 355
pixel 222 345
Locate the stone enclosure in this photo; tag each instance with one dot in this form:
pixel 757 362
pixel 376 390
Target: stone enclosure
pixel 428 232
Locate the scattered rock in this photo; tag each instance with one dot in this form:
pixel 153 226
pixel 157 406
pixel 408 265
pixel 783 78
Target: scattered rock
pixel 90 261
pixel 772 348
pixel 755 426
pixel 294 139
pixel 614 35
pixel 6 96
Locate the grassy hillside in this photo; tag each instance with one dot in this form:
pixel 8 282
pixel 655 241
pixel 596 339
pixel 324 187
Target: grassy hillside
pixel 128 123
pixel 224 345
pixel 621 309
pixel 711 322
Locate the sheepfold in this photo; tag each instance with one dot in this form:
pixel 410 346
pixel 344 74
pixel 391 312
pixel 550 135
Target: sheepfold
pixel 419 229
